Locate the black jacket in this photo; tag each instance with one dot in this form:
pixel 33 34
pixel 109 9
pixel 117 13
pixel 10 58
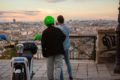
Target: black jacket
pixel 52 41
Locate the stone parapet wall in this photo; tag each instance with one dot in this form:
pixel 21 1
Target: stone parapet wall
pixel 105 46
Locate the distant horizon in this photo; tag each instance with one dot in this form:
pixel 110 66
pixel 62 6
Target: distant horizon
pixel 36 10
pixel 66 20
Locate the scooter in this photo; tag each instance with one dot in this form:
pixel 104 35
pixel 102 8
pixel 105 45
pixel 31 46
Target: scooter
pixel 22 66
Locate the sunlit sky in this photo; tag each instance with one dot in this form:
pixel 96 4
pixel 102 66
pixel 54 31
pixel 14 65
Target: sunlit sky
pixel 36 10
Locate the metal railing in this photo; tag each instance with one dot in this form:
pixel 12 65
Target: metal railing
pixel 82 47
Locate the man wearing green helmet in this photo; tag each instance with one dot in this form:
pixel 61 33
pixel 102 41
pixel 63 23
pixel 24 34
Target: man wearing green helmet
pixel 52 48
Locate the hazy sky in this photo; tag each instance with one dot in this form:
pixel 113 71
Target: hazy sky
pixel 36 10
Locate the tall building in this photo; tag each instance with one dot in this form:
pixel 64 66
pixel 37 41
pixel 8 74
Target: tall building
pixel 14 20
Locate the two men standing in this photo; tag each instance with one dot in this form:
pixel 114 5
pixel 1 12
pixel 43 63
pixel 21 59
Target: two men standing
pixel 54 48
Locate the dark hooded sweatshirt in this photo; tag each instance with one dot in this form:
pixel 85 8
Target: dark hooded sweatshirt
pixel 52 41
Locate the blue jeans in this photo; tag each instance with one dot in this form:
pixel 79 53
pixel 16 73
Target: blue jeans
pixel 68 64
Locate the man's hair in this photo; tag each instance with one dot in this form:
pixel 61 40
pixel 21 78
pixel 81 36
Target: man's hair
pixel 60 19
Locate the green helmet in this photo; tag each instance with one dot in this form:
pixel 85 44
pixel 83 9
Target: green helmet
pixel 37 37
pixel 49 20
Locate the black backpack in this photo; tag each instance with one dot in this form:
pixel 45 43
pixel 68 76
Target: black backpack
pixel 30 46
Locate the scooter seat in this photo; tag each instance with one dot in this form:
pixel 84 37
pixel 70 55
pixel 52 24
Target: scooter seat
pixel 28 55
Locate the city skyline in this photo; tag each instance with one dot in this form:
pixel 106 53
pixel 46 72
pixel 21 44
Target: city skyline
pixel 36 10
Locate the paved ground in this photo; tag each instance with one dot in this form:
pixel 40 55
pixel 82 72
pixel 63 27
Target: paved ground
pixel 82 70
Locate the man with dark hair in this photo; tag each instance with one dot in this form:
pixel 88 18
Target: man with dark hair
pixel 64 28
pixel 52 48
pixel 60 19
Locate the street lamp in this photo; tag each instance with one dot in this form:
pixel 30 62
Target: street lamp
pixel 117 63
